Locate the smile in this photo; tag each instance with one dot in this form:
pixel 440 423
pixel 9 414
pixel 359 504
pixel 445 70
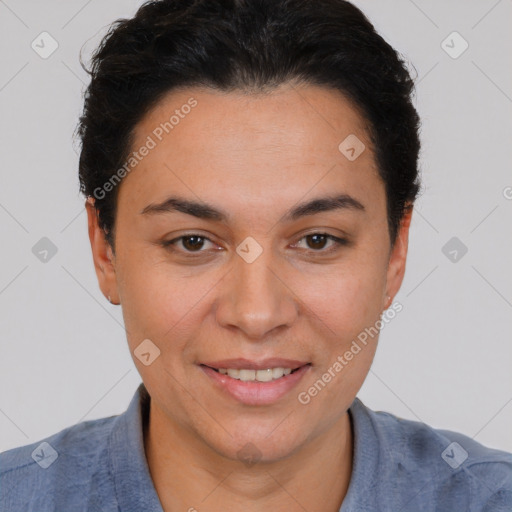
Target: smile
pixel 248 375
pixel 255 383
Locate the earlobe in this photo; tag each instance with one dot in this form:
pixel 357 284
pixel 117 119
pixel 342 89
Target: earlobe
pixel 398 257
pixel 102 254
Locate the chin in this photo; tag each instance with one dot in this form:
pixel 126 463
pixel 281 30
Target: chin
pixel 256 445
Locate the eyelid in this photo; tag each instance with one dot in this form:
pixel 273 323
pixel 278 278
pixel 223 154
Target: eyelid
pixel 170 243
pixel 338 243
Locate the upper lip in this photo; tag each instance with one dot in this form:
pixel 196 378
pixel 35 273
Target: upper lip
pixel 264 364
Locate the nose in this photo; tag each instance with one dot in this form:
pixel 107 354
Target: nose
pixel 256 299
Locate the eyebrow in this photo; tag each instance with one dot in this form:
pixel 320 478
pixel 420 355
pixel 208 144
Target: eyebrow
pixel 203 210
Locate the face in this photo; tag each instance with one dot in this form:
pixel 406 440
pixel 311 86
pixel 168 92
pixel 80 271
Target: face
pixel 247 240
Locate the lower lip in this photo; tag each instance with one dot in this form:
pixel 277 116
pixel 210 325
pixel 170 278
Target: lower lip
pixel 254 392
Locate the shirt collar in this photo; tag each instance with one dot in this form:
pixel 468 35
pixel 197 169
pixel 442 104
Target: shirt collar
pixel 135 490
pixel 365 461
pixel 128 464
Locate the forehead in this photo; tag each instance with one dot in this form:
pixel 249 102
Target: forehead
pixel 281 142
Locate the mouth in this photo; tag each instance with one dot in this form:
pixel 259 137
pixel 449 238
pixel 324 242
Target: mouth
pixel 250 375
pixel 254 383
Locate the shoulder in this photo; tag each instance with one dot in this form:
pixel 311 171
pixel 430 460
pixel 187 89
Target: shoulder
pixel 440 466
pixel 72 461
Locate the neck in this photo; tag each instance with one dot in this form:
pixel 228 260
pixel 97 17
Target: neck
pixel 188 475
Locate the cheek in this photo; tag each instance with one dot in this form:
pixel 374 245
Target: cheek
pixel 162 303
pixel 346 297
pixel 346 306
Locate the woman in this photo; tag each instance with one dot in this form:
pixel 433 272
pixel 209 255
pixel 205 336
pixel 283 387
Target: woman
pixel 250 169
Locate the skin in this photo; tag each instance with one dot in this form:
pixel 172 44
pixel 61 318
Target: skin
pixel 254 156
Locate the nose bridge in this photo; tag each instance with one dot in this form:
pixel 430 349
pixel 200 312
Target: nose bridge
pixel 256 301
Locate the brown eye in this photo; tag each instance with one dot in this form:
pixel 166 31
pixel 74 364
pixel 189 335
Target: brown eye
pixel 316 241
pixel 193 243
pixel 189 244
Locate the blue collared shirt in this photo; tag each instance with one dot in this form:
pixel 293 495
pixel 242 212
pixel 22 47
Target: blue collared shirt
pixel 399 465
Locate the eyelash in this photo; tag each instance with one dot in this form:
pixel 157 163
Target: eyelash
pixel 338 242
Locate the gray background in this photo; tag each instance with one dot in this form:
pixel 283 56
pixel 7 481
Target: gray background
pixel 444 360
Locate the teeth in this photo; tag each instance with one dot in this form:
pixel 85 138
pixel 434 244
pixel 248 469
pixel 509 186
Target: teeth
pixel 265 375
pixel 278 372
pixel 256 375
pixel 246 375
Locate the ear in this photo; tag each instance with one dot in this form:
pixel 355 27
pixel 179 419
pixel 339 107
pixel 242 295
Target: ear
pixel 397 259
pixel 103 256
